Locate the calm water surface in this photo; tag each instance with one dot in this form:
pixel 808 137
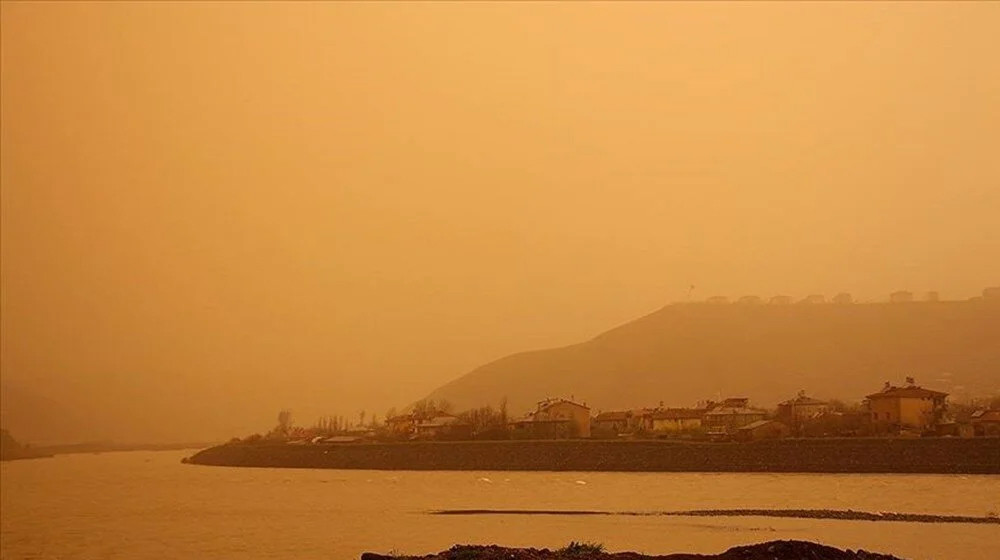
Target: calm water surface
pixel 149 505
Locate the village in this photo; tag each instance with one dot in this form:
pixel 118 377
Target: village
pixel 906 411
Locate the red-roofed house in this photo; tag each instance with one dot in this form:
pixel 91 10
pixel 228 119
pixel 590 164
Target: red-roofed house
pixel 906 408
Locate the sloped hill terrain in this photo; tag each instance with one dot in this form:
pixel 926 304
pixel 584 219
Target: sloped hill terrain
pixel 684 353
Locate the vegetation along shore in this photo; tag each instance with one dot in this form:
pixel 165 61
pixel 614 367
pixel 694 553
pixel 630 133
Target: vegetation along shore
pixel 773 550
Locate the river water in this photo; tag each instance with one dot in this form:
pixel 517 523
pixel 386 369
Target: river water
pixel 140 505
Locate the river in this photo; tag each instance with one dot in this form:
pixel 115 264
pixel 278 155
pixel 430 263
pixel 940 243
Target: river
pixel 142 504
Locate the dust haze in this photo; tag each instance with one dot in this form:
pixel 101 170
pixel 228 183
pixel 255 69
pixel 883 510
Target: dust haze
pixel 211 212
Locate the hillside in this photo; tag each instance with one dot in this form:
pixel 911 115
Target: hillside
pixel 684 353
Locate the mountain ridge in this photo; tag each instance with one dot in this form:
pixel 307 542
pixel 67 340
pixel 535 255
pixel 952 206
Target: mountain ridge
pixel 686 352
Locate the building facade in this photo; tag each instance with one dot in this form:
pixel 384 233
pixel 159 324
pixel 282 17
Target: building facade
pixel 801 408
pixel 554 419
pixel 908 408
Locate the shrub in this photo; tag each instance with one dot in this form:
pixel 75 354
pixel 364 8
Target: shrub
pixel 582 549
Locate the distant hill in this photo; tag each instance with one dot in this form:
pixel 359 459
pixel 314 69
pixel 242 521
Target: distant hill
pixel 38 419
pixel 684 353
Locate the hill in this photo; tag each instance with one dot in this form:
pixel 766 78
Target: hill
pixel 41 420
pixel 684 353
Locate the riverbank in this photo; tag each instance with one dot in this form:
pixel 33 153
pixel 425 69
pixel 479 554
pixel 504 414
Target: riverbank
pixel 774 550
pixel 854 455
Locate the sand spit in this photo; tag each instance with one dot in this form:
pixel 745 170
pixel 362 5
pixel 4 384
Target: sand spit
pixel 849 515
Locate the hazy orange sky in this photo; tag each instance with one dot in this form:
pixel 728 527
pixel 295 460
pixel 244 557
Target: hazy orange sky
pixel 211 211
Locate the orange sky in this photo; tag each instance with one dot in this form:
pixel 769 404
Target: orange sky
pixel 212 211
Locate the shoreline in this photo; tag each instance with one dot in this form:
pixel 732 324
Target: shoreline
pixel 845 515
pixel 854 455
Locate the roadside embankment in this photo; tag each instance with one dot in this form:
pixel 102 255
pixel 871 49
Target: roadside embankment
pixel 854 455
pixel 773 550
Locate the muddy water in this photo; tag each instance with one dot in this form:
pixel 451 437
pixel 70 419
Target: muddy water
pixel 149 505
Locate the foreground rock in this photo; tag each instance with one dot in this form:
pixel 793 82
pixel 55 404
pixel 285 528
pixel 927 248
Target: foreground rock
pixel 773 550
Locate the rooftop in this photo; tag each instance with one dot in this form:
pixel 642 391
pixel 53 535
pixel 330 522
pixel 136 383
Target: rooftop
pixel 803 400
pixel 911 392
pixel 547 403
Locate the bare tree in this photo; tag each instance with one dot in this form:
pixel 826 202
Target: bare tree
pixel 284 421
pixel 424 408
pixel 444 406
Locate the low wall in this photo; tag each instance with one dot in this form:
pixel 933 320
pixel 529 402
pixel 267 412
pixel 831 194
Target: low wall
pixel 935 455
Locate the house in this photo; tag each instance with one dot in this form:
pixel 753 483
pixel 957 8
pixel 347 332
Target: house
pixel 793 412
pixel 731 414
pixel 554 419
pixel 642 419
pixel 986 422
pixel 992 294
pixel 750 300
pixel 780 300
pixel 762 429
pixel 616 422
pixel 908 408
pixel 814 298
pixel 932 296
pixel 901 296
pixel 675 420
pixel 443 426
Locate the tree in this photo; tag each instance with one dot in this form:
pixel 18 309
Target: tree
pixel 424 408
pixel 361 418
pixel 284 421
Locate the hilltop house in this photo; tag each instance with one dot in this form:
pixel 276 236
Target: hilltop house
pixel 731 414
pixel 554 419
pixel 909 408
